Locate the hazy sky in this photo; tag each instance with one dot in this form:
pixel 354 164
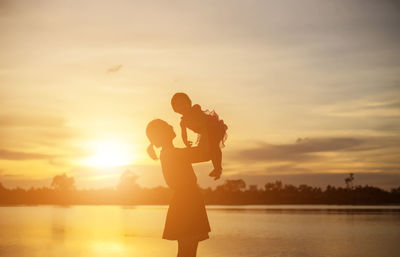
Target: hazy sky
pixel 310 90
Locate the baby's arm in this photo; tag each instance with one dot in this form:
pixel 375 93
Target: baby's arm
pixel 184 135
pixel 216 156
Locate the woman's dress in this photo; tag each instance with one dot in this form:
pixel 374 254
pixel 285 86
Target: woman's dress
pixel 186 217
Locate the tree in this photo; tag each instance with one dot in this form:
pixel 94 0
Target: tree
pixel 127 181
pixel 253 188
pixel 233 185
pixel 395 190
pixel 274 187
pixel 63 182
pixel 349 181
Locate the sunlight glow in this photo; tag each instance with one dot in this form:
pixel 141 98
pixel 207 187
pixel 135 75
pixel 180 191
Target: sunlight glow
pixel 109 154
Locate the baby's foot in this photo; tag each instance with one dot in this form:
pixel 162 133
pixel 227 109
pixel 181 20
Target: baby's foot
pixel 216 173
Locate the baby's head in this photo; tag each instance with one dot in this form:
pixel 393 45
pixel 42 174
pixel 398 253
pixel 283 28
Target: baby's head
pixel 181 103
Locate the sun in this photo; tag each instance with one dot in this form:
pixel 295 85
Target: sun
pixel 108 153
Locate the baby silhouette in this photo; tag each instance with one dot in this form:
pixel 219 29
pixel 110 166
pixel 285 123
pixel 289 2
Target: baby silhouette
pixel 209 128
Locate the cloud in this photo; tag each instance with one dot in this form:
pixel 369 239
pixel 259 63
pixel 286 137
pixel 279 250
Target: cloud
pixel 18 120
pixel 13 155
pixel 320 161
pixel 304 149
pixel 383 108
pixel 385 105
pixel 6 6
pixel 287 168
pixel 54 160
pixel 114 69
pixel 379 151
pixel 23 131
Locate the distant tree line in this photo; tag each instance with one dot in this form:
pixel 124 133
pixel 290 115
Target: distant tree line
pixel 128 192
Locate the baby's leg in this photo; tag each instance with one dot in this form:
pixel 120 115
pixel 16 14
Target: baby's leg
pixel 216 158
pixel 212 150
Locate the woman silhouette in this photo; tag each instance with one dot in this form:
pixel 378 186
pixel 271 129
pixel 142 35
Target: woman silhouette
pixel 187 220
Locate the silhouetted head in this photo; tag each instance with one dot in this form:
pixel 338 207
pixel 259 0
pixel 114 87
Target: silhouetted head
pixel 160 134
pixel 181 103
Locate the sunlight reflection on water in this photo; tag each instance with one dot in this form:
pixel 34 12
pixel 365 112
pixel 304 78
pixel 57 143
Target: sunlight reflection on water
pixel 254 231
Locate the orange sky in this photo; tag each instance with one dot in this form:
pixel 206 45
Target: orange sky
pixel 309 91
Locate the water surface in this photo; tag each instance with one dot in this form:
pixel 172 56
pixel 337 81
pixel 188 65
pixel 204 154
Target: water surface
pixel 253 231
